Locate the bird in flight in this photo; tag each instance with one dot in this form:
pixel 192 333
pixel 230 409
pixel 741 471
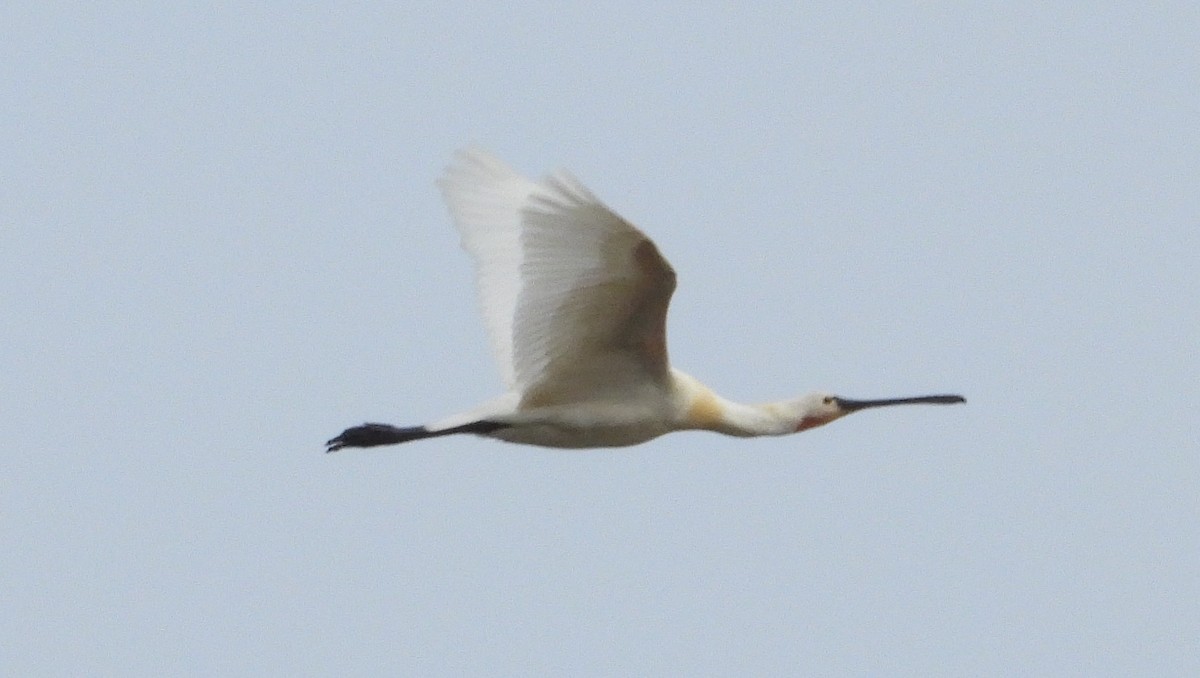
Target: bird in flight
pixel 575 302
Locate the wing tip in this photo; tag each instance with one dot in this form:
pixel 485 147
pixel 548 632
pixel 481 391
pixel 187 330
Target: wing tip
pixel 474 170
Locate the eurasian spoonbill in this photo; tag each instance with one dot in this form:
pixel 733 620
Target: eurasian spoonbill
pixel 575 302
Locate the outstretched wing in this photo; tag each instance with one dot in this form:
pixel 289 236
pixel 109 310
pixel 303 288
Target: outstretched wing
pixel 574 297
pixel 485 198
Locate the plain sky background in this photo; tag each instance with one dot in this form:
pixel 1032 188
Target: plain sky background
pixel 220 244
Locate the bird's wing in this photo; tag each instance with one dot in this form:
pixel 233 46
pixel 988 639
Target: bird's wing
pixel 485 198
pixel 575 298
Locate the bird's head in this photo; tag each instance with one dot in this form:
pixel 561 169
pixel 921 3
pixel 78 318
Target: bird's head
pixel 818 409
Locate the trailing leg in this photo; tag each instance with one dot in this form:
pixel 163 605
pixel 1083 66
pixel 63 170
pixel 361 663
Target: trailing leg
pixel 372 435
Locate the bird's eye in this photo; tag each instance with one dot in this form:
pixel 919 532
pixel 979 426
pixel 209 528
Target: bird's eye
pixel 828 400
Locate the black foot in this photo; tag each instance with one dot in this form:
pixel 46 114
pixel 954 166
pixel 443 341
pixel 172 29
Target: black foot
pixel 371 435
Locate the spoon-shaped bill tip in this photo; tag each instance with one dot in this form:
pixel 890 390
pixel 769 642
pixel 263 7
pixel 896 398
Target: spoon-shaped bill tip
pixel 851 405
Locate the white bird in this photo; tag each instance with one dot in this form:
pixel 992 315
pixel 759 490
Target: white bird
pixel 575 302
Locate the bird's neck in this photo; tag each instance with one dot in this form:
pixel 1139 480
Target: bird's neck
pixel 704 409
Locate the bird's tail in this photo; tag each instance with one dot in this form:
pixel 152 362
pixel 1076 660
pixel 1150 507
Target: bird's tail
pixel 371 435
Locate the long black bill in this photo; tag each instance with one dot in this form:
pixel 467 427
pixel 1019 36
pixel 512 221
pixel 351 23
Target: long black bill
pixel 855 405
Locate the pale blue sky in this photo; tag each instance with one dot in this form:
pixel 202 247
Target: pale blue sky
pixel 220 244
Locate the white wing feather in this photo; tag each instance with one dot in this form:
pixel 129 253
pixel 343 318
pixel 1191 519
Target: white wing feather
pixel 574 297
pixel 485 198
